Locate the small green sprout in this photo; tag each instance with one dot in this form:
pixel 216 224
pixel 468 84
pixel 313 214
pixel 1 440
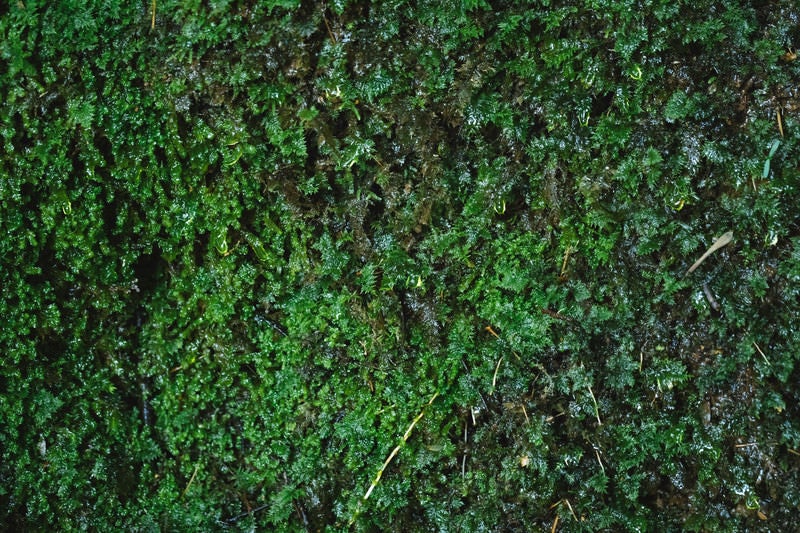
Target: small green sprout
pixel 66 205
pixel 774 148
pixel 412 283
pixel 219 240
pixel 752 501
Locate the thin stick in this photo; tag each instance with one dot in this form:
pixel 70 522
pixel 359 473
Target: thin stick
pixel 380 472
pixel 153 16
pixel 328 27
pixel 596 410
pixel 567 252
pixel 524 412
pixel 599 461
pixel 564 500
pixel 556 314
pixel 248 512
pixel 493 332
pixel 196 468
pixel 724 239
pixel 571 510
pixel 392 456
pixel 762 354
pixel 780 124
pixel 496 369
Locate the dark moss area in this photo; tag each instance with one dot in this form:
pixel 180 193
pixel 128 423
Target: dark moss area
pixel 245 244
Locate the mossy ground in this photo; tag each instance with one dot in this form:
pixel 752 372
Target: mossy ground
pixel 245 243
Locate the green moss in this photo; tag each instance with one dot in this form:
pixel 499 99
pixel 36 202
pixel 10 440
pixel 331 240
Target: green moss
pixel 244 245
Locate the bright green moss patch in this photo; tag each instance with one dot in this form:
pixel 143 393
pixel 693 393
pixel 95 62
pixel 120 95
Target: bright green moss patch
pixel 399 266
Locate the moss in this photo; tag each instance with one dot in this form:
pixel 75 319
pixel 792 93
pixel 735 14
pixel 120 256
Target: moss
pixel 244 245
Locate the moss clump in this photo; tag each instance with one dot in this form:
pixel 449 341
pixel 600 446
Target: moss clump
pixel 245 243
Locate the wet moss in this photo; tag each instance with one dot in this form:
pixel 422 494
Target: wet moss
pixel 246 242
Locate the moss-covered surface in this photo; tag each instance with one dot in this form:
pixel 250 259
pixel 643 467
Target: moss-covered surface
pixel 246 243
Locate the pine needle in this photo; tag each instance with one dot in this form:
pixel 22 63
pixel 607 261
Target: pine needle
pixel 391 456
pixel 719 243
pixel 494 377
